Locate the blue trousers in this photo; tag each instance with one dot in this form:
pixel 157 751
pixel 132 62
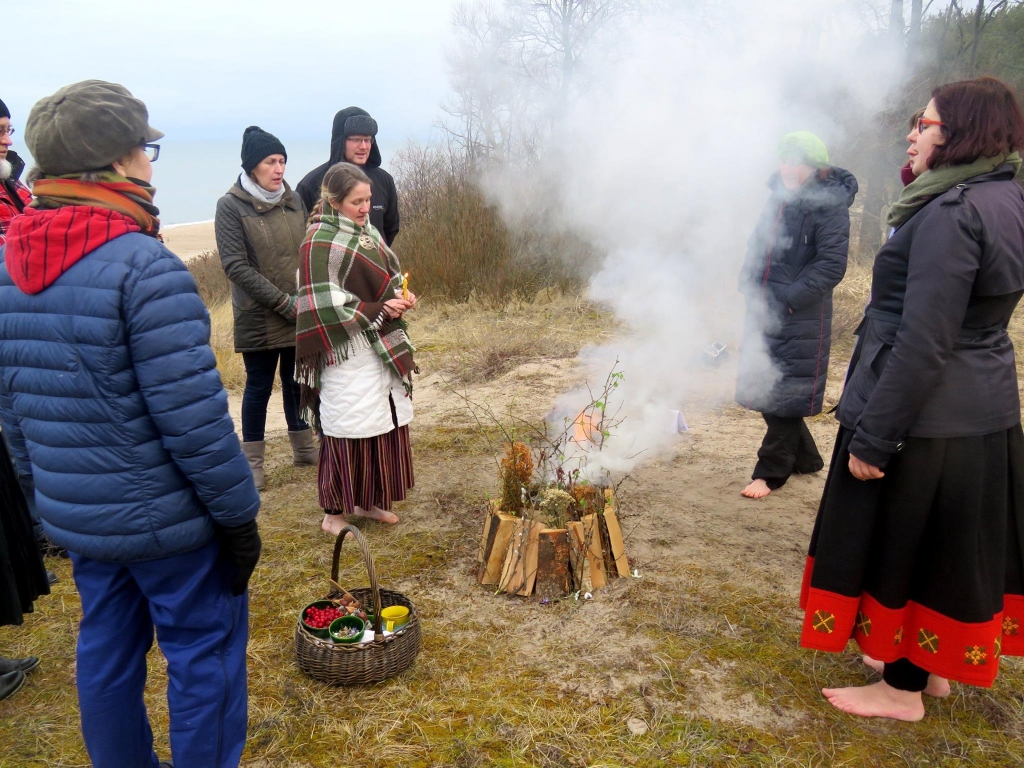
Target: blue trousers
pixel 202 631
pixel 259 384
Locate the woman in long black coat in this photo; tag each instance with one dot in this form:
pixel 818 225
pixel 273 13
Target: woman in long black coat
pixel 22 575
pixel 797 256
pixel 917 551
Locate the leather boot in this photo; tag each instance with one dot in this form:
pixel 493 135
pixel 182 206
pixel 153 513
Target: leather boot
pixel 254 453
pixel 10 683
pixel 304 450
pixel 18 665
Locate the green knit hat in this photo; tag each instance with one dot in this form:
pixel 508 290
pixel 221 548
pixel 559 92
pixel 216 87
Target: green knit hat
pixel 803 147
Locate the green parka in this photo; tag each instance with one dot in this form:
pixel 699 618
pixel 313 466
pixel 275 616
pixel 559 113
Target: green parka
pixel 259 246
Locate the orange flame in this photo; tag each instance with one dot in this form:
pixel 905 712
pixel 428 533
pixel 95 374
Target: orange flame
pixel 586 429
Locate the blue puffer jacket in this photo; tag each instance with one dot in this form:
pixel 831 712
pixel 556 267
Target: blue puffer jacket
pixel 109 378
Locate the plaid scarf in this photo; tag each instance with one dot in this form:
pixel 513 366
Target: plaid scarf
pixel 113 192
pixel 346 273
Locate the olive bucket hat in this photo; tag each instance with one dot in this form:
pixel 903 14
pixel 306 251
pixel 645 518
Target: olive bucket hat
pixel 86 126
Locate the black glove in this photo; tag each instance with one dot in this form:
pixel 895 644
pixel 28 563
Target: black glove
pixel 241 545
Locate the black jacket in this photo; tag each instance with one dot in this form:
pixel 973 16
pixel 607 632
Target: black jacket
pixel 933 358
pixel 796 256
pixel 384 204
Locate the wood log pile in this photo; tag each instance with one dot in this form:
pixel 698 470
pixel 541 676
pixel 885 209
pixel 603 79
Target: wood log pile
pixel 524 556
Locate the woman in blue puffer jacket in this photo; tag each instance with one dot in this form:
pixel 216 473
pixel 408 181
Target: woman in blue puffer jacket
pixel 110 391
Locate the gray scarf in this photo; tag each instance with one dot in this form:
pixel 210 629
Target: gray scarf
pixel 254 189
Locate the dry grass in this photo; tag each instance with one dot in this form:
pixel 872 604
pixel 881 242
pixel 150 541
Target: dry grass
pixel 708 660
pixel 503 682
pixel 470 344
pixel 848 302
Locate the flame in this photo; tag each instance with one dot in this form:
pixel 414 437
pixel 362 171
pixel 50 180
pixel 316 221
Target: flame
pixel 586 429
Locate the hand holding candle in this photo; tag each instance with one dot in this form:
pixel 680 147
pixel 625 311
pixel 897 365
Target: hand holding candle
pixel 405 286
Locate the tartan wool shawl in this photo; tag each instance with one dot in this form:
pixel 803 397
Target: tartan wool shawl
pixel 346 273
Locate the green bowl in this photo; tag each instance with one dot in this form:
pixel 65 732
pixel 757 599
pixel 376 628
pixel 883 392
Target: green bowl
pixel 347 621
pixel 322 633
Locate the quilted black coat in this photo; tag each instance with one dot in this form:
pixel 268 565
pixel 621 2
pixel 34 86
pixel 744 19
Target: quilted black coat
pixel 796 257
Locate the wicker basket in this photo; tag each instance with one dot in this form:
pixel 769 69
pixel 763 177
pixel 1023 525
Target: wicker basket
pixel 360 663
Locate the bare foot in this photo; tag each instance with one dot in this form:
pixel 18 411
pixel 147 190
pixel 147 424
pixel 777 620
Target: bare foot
pixel 875 664
pixel 877 700
pixel 378 514
pixel 333 525
pixel 757 489
pixel 937 686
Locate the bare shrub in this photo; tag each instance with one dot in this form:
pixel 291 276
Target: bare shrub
pixel 456 246
pixel 213 284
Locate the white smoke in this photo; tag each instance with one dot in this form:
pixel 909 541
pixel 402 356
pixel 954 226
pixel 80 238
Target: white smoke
pixel 662 166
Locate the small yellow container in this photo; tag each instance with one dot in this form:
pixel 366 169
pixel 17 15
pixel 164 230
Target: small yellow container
pixel 394 617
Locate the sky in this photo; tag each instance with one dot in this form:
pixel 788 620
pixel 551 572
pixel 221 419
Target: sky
pixel 208 68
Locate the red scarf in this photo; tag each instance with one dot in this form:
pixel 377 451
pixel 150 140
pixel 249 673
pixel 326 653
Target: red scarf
pixel 42 244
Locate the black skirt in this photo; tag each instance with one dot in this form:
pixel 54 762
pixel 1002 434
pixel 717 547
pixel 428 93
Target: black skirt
pixel 22 574
pixel 927 563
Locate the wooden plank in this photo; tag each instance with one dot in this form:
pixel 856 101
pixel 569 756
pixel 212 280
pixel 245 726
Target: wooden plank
pixel 512 578
pixel 592 540
pixel 616 543
pixel 530 560
pixel 491 572
pixel 554 577
pixel 606 548
pixel 486 541
pixel 578 557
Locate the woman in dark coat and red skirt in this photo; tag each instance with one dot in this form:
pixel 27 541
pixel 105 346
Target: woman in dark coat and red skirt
pixel 796 256
pixel 917 549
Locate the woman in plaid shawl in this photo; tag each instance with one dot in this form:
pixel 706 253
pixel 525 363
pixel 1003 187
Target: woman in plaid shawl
pixel 353 357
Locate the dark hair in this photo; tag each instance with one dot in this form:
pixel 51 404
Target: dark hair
pixel 981 118
pixel 340 180
pixel 912 124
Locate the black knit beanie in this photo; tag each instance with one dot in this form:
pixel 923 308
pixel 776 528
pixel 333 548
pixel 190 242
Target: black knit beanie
pixel 4 111
pixel 257 144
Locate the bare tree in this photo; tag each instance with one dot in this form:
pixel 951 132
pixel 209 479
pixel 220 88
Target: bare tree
pixel 515 66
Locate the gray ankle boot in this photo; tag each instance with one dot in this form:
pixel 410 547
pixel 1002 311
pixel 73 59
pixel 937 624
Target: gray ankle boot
pixel 254 453
pixel 304 450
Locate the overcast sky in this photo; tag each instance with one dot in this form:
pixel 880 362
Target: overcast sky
pixel 208 68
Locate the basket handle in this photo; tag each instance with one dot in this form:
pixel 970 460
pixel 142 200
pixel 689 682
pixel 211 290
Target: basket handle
pixel 367 560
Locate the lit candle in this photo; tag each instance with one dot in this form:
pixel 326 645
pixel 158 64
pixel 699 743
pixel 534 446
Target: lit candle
pixel 405 286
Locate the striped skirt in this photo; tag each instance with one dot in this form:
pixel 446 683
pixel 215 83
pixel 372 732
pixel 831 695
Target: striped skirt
pixel 364 472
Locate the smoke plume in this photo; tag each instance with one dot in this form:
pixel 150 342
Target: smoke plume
pixel 661 163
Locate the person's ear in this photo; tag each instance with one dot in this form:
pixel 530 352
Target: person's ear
pixel 121 164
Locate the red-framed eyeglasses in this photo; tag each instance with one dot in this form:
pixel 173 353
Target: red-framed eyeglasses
pixel 923 123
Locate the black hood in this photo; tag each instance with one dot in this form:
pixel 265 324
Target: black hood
pixel 338 137
pixel 17 164
pixel 827 188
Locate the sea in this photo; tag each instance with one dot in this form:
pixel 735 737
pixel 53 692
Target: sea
pixel 190 176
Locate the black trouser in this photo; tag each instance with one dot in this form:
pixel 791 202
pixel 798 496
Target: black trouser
pixel 904 675
pixel 259 383
pixel 787 448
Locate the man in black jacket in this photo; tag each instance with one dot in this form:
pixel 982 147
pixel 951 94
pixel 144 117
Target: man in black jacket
pixel 353 140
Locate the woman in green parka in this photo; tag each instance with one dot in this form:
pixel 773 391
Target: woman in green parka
pixel 260 226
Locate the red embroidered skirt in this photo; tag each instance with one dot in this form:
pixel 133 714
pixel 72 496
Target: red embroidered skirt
pixel 926 564
pixel 364 472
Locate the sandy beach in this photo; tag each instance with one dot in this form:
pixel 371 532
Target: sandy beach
pixel 190 240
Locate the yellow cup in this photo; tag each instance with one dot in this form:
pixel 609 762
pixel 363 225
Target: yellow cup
pixel 394 617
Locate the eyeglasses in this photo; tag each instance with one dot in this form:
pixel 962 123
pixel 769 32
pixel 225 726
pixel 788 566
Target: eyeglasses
pixel 367 140
pixel 152 151
pixel 922 124
pixel 6 132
